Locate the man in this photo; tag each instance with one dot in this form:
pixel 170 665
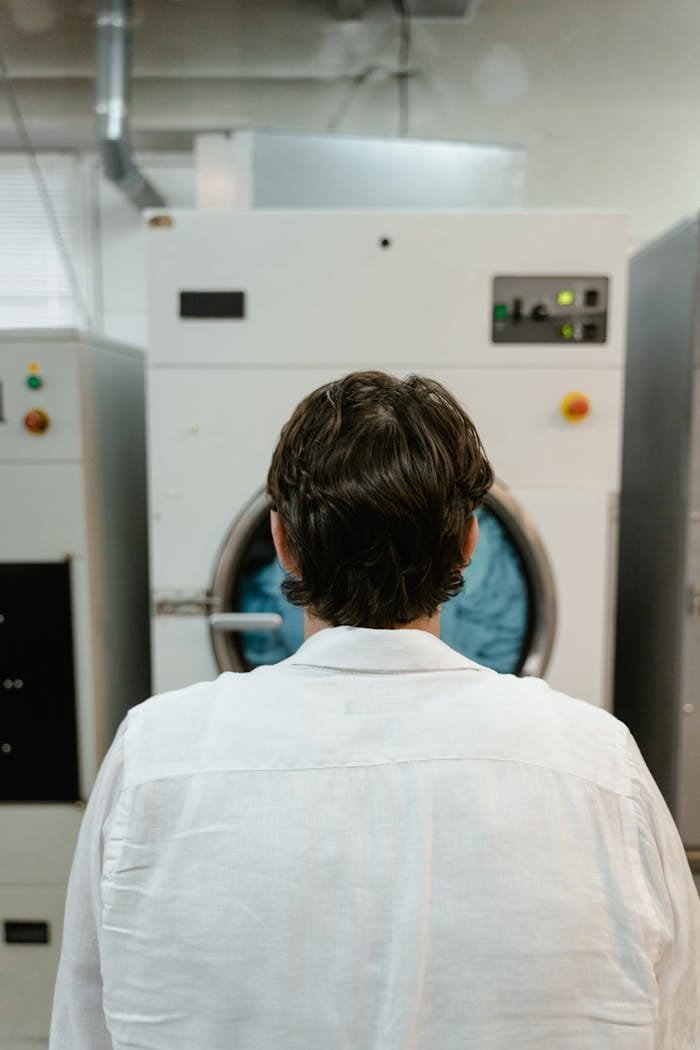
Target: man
pixel 377 844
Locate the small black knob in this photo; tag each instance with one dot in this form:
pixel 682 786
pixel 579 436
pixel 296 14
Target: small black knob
pixel 539 312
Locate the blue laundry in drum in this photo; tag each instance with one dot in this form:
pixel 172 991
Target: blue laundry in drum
pixel 487 621
pixel 261 592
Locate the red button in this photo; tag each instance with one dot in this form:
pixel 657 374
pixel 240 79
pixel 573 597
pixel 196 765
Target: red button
pixel 575 406
pixel 578 407
pixel 36 421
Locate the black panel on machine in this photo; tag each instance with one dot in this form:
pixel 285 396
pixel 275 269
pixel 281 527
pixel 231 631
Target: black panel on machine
pixel 38 738
pixel 21 932
pixel 220 305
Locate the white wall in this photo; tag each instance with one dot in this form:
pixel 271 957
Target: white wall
pixel 120 241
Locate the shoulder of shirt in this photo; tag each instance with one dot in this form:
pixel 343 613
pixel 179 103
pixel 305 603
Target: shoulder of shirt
pixel 545 727
pixel 171 721
pixel 597 744
pixel 185 706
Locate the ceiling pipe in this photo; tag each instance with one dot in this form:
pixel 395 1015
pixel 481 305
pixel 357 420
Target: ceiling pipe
pixel 112 109
pixel 354 9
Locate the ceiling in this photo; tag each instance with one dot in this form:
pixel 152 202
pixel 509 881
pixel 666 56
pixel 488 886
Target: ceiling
pixel 213 56
pixel 200 38
pixel 604 95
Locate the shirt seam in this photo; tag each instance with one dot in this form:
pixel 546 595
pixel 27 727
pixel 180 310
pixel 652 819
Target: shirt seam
pixel 380 670
pixel 371 765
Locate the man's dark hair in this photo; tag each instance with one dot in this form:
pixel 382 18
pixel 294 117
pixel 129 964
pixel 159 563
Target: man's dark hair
pixel 375 480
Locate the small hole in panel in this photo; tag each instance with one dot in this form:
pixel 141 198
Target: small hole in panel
pixel 385 242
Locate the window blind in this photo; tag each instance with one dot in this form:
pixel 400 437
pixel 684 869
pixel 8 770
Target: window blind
pixel 35 289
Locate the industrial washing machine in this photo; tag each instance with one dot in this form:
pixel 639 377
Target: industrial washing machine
pixel 520 314
pixel 73 627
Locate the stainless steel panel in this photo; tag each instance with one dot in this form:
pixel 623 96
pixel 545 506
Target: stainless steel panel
pixel 689 754
pixel 654 504
pixel 352 171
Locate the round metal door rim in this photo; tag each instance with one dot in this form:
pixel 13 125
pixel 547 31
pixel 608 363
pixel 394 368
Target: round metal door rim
pixel 502 505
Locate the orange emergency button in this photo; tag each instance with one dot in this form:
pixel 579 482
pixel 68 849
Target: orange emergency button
pixel 36 421
pixel 575 407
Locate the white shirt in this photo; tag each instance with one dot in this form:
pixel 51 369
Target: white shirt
pixel 375 845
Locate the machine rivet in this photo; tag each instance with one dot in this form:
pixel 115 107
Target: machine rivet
pixel 2 618
pixel 6 748
pixel 18 683
pixel 160 220
pixel 8 684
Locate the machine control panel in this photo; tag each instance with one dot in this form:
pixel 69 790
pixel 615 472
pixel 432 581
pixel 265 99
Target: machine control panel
pixel 40 402
pixel 550 309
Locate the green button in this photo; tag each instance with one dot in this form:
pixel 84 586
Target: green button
pixel 566 297
pixel 500 312
pixel 35 382
pixel 566 331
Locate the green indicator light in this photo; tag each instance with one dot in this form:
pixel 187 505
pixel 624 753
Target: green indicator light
pixel 566 297
pixel 500 312
pixel 35 382
pixel 566 331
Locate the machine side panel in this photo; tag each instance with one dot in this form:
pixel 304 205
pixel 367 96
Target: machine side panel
pixel 689 767
pixel 28 971
pixel 60 487
pixel 37 495
pixel 654 499
pixel 41 843
pixel 115 463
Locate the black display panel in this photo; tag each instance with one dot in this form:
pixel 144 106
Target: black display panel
pixel 38 732
pixel 27 933
pixel 213 304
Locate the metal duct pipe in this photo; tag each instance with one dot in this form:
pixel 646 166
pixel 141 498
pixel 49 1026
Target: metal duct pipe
pixel 353 9
pixel 113 69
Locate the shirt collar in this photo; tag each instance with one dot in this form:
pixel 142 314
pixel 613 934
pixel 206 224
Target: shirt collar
pixel 370 650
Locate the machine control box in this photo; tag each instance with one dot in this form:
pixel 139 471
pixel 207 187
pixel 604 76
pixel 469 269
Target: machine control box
pixel 550 309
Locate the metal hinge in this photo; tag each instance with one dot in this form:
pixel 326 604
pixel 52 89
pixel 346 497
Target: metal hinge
pixel 184 603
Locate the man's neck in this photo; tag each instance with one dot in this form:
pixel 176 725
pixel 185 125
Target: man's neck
pixel 431 624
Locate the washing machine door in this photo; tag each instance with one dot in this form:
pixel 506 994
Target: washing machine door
pixel 504 618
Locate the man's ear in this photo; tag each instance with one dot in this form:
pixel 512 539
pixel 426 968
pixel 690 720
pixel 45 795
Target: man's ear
pixel 279 538
pixel 470 540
